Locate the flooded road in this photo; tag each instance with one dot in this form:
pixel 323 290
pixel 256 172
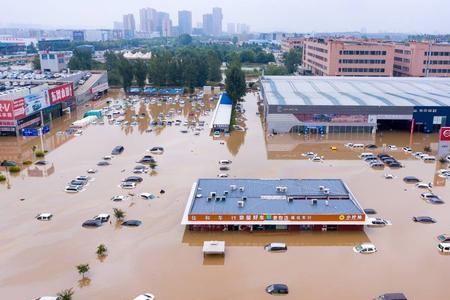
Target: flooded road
pixel 160 257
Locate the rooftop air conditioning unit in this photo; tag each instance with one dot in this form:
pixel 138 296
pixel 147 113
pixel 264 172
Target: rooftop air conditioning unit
pixel 244 198
pixel 326 191
pixel 224 198
pixel 233 187
pixel 326 203
pixel 281 189
pixel 290 199
pixel 241 203
pixel 225 193
pixel 209 199
pixel 321 188
pixel 313 201
pixel 212 194
pixel 241 189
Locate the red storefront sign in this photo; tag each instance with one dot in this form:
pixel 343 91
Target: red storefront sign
pixel 6 110
pixel 444 134
pixel 61 93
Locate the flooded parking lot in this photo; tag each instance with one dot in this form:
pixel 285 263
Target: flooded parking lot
pixel 161 257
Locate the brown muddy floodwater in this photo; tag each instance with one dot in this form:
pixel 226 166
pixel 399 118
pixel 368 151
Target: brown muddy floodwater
pixel 39 258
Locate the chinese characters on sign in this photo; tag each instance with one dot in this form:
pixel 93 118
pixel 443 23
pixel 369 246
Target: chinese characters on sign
pixel 283 218
pixel 60 93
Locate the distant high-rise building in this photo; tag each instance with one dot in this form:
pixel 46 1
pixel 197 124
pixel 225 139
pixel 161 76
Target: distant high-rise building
pixel 118 26
pixel 129 26
pixel 184 22
pixel 231 28
pixel 147 19
pixel 242 28
pixel 217 21
pixel 163 23
pixel 208 26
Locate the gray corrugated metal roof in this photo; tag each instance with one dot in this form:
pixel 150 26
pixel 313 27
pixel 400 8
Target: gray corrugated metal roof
pixel 351 91
pixel 255 188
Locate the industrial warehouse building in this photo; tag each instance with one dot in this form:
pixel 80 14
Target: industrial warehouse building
pixel 354 104
pixel 272 204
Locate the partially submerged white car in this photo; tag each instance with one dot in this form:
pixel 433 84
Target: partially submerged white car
pixel 146 296
pixel 378 222
pixel 365 248
pixel 147 196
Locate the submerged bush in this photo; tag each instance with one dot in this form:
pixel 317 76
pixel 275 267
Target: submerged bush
pixel 14 169
pixel 27 162
pixel 39 153
pixel 2 178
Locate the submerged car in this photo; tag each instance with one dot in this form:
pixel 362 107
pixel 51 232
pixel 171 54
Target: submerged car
pixel 73 188
pixel 103 163
pixel 146 296
pixel 392 296
pixel 370 211
pixel 378 222
pixel 224 162
pixel 92 223
pixel 156 150
pixel 118 198
pixel 444 247
pixel 132 223
pixel 44 217
pixel 147 196
pixel 128 185
pixel 135 179
pixel 411 179
pixel 424 219
pixel 431 198
pixel 444 238
pixel 275 247
pixel 365 248
pixel 117 150
pixel 277 288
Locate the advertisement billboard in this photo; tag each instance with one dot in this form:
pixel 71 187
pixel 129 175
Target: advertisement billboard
pixel 12 110
pixel 34 103
pixel 100 88
pixel 444 142
pixel 60 93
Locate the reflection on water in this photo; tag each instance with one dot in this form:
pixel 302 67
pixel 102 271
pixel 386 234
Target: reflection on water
pixel 260 239
pixel 214 260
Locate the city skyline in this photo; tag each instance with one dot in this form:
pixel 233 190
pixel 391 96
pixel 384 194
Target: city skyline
pixel 289 16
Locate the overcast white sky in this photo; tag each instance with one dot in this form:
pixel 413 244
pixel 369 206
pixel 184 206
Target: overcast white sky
pixel 432 16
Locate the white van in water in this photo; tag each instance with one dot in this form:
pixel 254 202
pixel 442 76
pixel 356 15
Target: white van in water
pixel 444 247
pixel 365 154
pixel 358 146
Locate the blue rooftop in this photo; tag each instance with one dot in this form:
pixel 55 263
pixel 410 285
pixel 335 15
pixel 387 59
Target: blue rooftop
pixel 263 197
pixel 225 99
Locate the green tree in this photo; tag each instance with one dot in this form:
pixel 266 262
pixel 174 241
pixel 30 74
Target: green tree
pixel 31 49
pixel 292 60
pixel 83 269
pixel 235 82
pixel 101 250
pixel 235 40
pixel 273 69
pixel 65 294
pixel 112 66
pixel 214 63
pixel 126 73
pixel 36 62
pixel 140 72
pixel 81 60
pixel 119 214
pixel 184 40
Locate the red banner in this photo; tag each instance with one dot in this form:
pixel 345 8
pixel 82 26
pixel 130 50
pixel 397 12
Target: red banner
pixel 444 134
pixel 6 110
pixel 61 93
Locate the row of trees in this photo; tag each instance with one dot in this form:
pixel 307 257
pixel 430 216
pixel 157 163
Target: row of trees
pixel 188 67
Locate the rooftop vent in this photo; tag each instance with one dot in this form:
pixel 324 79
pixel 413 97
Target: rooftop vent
pixel 209 199
pixel 313 201
pixel 241 203
pixel 281 189
pixel 212 194
pixel 224 198
pixel 244 198
pixel 326 190
pixel 321 188
pixel 233 187
pixel 225 193
pixel 241 189
pixel 290 199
